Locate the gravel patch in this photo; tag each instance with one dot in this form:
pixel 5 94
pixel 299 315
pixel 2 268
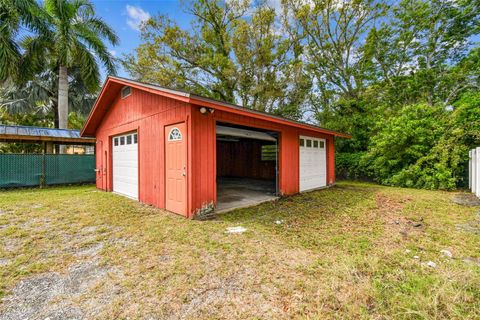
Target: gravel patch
pixel 466 199
pixel 216 294
pixel 37 224
pixel 91 250
pixel 122 242
pixel 470 227
pixel 56 296
pixel 91 229
pixel 11 245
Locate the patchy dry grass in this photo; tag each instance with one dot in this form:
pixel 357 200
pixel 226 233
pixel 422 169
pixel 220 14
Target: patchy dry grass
pixel 345 252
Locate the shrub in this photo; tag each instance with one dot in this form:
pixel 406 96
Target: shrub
pixel 350 166
pixel 401 141
pixel 424 146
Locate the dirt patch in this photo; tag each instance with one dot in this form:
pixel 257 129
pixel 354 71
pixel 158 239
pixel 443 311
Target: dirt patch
pixel 406 226
pixel 56 296
pixel 390 205
pixel 390 210
pixel 466 199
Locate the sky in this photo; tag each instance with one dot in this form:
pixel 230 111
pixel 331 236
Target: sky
pixel 126 16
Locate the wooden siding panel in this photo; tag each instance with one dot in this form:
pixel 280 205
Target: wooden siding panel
pixel 289 169
pixel 203 159
pixel 148 114
pixel 330 160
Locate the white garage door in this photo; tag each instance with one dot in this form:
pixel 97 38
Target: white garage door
pixel 125 165
pixel 313 163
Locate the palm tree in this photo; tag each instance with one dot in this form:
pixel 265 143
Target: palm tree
pixel 14 15
pixel 75 40
pixel 39 96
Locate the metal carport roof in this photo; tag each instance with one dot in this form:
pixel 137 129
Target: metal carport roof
pixel 11 133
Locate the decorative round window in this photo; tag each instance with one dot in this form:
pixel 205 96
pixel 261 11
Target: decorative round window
pixel 174 135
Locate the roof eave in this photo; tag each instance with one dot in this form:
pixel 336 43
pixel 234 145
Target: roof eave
pixel 194 99
pixel 92 111
pixel 177 95
pixel 249 112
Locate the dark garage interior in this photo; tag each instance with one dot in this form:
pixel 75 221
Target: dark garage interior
pixel 246 167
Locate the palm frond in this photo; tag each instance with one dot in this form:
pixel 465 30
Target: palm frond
pixel 39 95
pixel 83 8
pixel 13 14
pixel 52 8
pixel 101 28
pixel 96 44
pixel 9 56
pixel 89 70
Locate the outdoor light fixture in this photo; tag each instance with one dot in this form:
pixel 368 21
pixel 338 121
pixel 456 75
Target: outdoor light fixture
pixel 204 110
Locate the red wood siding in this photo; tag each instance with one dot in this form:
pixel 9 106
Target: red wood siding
pixel 148 114
pixel 203 151
pixel 203 166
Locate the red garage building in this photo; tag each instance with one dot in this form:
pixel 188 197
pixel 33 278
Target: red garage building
pixel 189 154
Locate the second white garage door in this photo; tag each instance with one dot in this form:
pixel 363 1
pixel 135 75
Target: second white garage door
pixel 313 163
pixel 125 165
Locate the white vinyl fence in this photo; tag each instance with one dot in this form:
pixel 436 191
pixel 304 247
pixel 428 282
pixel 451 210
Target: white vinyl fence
pixel 474 171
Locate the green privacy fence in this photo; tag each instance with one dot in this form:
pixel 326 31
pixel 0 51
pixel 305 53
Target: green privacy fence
pixel 23 170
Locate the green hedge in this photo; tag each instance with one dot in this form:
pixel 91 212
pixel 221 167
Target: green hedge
pixel 350 166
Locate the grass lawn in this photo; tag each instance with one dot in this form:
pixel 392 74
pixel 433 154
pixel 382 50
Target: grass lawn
pixel 353 251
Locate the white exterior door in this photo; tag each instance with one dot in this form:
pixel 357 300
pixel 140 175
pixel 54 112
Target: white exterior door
pixel 125 165
pixel 313 163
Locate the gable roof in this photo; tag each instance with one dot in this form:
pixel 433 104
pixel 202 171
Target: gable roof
pixel 113 85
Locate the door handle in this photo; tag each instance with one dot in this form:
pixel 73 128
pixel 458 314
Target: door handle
pixel 184 171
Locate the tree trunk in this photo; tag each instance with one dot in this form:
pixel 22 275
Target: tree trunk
pixel 55 115
pixel 55 147
pixel 62 100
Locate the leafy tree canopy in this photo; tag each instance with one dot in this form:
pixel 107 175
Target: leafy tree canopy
pixel 233 52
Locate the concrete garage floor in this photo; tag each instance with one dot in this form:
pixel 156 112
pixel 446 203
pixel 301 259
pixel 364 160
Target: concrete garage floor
pixel 234 193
